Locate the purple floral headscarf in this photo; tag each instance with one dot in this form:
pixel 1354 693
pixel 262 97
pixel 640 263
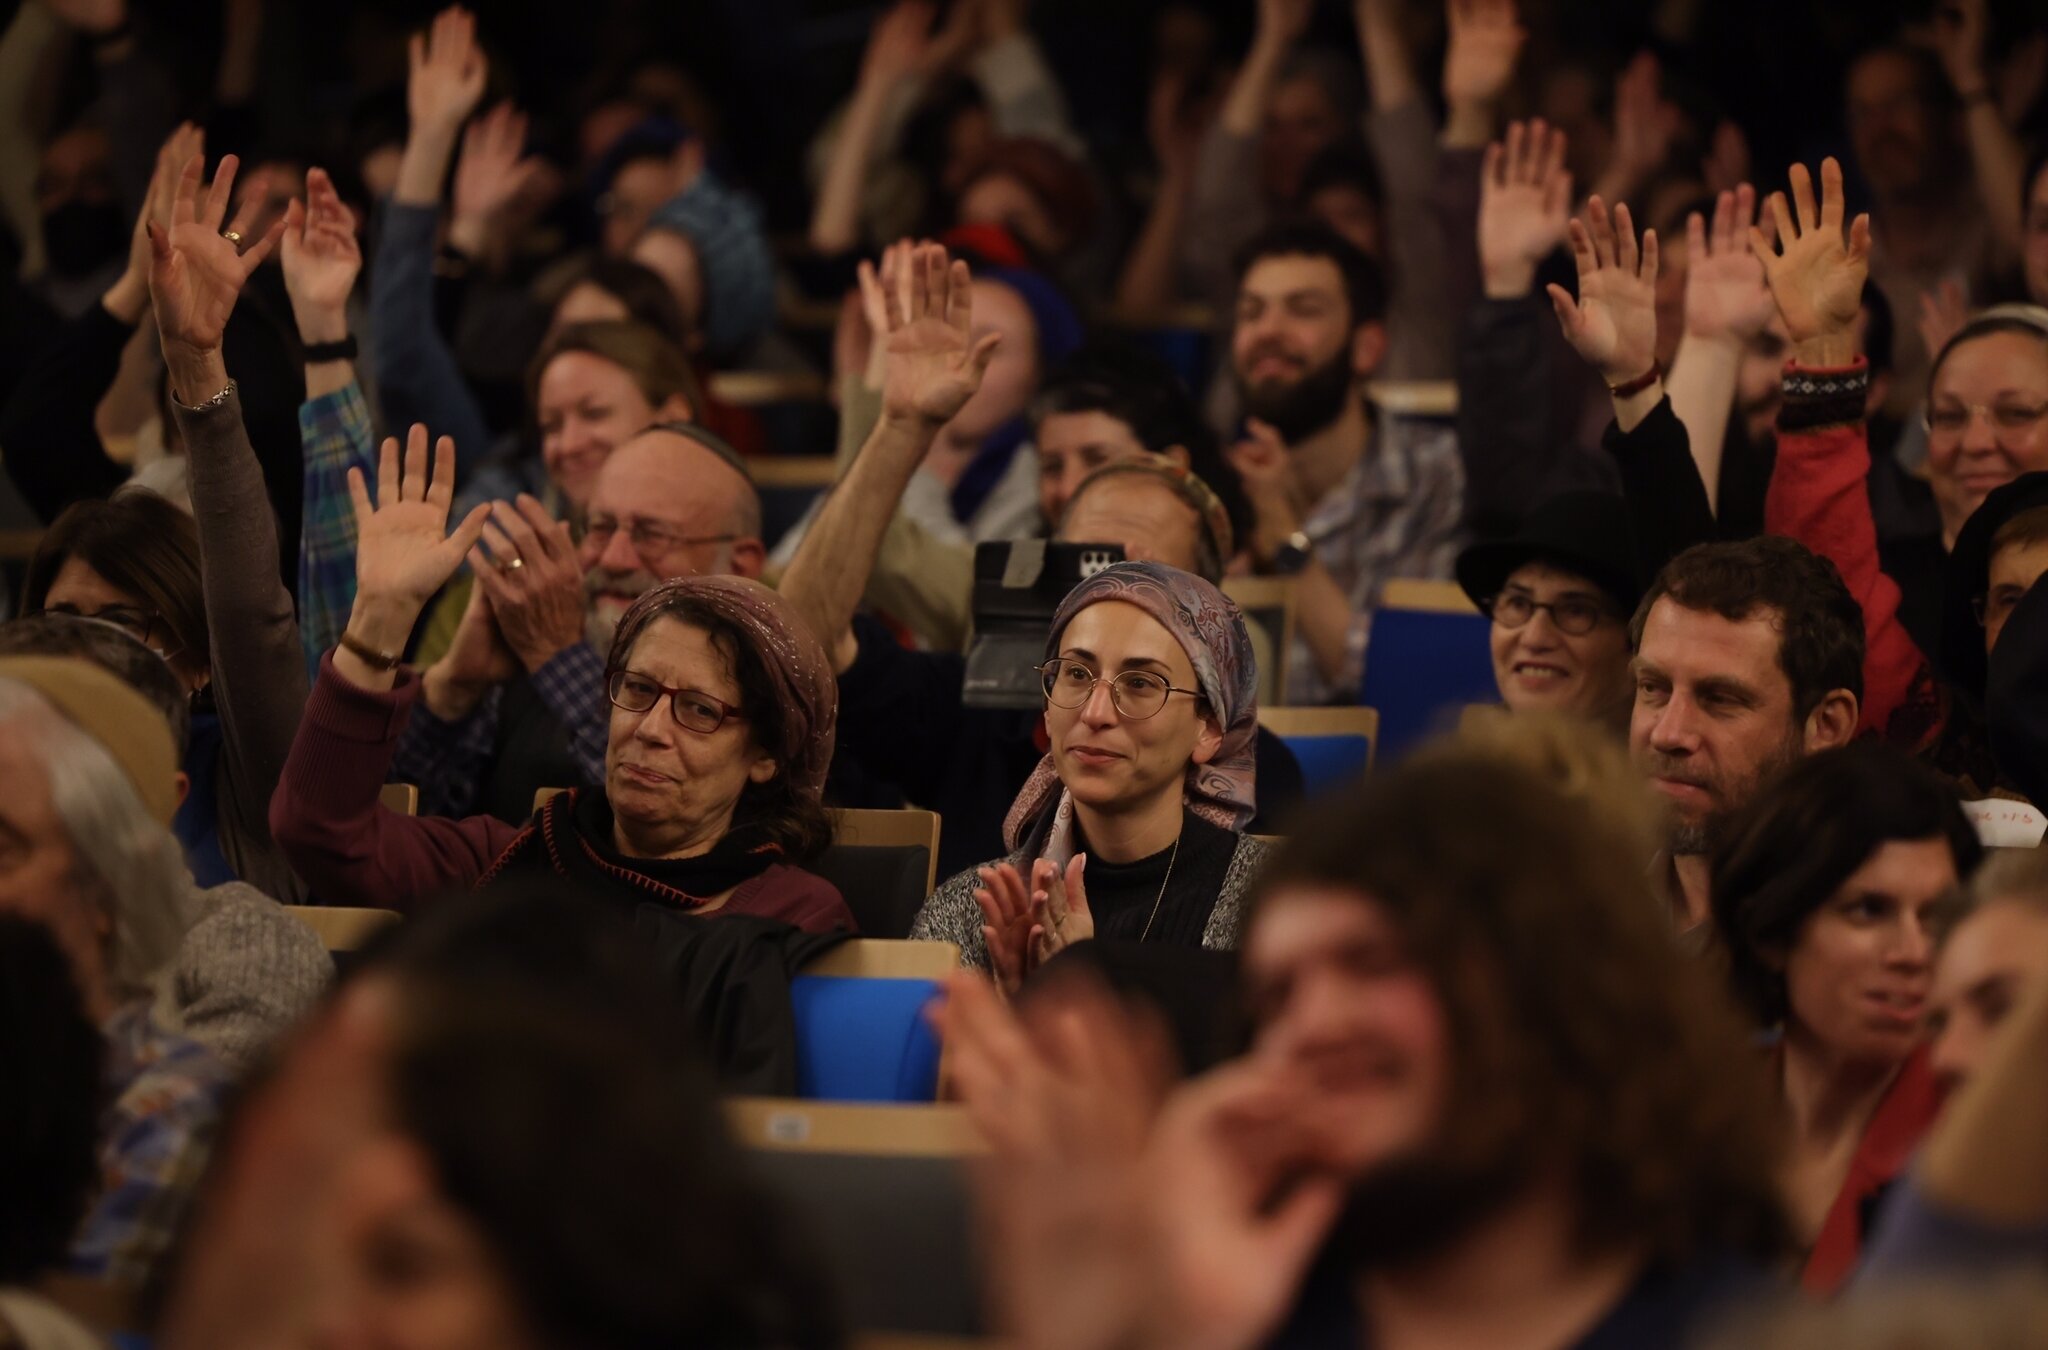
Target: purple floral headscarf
pixel 1210 630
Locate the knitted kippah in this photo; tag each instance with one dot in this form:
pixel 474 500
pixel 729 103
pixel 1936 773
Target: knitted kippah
pixel 120 719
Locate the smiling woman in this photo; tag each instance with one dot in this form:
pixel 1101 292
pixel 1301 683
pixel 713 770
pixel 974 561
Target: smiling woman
pixel 1826 900
pixel 722 724
pixel 1128 829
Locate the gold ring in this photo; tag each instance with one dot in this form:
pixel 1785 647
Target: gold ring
pixel 511 564
pixel 232 236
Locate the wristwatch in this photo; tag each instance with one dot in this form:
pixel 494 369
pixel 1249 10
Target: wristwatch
pixel 1293 554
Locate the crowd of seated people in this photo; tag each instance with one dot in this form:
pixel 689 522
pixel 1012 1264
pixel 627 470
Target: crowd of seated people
pixel 579 582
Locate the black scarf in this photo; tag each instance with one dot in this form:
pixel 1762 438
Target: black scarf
pixel 571 836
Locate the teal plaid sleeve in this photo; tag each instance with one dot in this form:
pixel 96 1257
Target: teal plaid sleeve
pixel 334 432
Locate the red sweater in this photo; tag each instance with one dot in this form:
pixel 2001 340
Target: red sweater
pixel 353 850
pixel 1900 1122
pixel 1819 496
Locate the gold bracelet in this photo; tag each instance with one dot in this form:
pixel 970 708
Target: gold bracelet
pixel 369 655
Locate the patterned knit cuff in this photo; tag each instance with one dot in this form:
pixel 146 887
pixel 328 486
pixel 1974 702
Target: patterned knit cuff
pixel 1823 397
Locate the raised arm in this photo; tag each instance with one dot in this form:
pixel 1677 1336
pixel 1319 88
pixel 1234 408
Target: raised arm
pixel 1727 305
pixel 493 172
pixel 1148 282
pixel 897 47
pixel 197 273
pixel 321 263
pixel 1818 493
pixel 1996 156
pixel 417 378
pixel 1486 40
pixel 932 366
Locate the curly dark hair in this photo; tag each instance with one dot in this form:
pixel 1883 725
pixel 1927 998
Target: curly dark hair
pixel 1365 284
pixel 1803 836
pixel 50 1078
pixel 1583 1039
pixel 1819 623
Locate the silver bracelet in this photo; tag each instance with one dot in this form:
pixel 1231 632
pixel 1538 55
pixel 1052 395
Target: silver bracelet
pixel 209 405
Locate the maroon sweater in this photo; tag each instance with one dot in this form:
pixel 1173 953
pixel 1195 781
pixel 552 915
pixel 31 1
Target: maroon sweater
pixel 352 850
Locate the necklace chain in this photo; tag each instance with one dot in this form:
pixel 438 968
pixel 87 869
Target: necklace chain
pixel 1171 858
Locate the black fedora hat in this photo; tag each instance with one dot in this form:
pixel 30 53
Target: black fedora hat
pixel 1586 533
pixel 1968 576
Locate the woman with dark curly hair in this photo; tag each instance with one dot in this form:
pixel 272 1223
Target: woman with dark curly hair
pixel 722 722
pixel 1826 900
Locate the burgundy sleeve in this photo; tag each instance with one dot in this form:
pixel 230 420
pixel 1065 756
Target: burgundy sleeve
pixel 796 897
pixel 1818 496
pixel 326 816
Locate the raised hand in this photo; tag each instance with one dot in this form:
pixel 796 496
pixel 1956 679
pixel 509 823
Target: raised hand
pixel 1726 166
pixel 898 44
pixel 1644 126
pixel 934 363
pixel 1486 38
pixel 1525 195
pixel 128 297
pixel 1959 30
pixel 492 173
pixel 1060 916
pixel 321 259
pixel 197 271
pixel 1725 295
pixel 1282 22
pixel 1817 271
pixel 447 70
pixel 532 578
pixel 1613 323
pixel 404 551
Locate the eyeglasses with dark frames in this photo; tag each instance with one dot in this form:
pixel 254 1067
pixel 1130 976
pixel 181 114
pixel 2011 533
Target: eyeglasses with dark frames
pixel 1514 609
pixel 693 709
pixel 1137 694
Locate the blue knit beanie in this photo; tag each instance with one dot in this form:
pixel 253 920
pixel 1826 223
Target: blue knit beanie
pixel 738 273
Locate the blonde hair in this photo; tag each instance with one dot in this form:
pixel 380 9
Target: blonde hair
pixel 2008 1313
pixel 1582 758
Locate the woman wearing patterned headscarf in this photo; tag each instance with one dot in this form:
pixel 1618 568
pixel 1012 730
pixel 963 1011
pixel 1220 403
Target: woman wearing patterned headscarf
pixel 1129 828
pixel 722 721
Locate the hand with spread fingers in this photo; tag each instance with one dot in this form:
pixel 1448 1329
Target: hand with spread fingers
pixel 321 260
pixel 1486 39
pixel 1613 322
pixel 447 71
pixel 1726 299
pixel 492 173
pixel 934 361
pixel 1525 206
pixel 197 270
pixel 1817 270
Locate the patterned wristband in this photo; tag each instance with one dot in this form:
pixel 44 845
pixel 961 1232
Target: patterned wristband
pixel 1823 398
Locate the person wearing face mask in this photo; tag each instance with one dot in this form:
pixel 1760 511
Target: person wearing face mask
pixel 1560 595
pixel 1826 899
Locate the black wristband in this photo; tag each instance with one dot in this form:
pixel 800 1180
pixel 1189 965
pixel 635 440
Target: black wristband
pixel 344 350
pixel 1822 398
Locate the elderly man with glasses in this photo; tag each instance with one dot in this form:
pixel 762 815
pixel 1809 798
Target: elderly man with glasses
pixel 518 702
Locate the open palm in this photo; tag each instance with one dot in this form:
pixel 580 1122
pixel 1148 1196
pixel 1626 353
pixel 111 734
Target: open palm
pixel 932 362
pixel 1613 323
pixel 1524 197
pixel 403 549
pixel 196 272
pixel 1725 292
pixel 321 256
pixel 1817 271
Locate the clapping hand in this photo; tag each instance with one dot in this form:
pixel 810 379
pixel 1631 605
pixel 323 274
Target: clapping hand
pixel 1613 323
pixel 934 363
pixel 1817 271
pixel 1525 196
pixel 532 578
pixel 1060 916
pixel 321 260
pixel 1726 298
pixel 1007 927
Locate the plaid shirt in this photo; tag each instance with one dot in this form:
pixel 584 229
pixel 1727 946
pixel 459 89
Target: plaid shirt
pixel 450 761
pixel 1395 515
pixel 335 432
pixel 166 1093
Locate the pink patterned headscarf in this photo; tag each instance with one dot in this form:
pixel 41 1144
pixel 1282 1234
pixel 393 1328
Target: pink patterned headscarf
pixel 800 676
pixel 1210 630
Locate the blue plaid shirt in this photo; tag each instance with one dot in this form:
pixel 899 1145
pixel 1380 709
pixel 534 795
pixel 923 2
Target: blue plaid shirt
pixel 334 433
pixel 165 1094
pixel 450 761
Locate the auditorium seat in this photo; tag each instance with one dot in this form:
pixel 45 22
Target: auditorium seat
pixel 861 1032
pixel 1426 658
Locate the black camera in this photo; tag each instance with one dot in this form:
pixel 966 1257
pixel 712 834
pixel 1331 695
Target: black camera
pixel 1018 585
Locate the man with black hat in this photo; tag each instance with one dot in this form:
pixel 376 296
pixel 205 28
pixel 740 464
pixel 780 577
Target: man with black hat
pixel 1560 593
pixel 1994 643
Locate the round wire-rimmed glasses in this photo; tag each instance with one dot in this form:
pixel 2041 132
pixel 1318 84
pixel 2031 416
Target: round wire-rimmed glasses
pixel 1137 694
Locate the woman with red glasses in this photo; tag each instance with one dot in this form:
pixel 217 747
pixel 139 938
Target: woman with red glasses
pixel 723 707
